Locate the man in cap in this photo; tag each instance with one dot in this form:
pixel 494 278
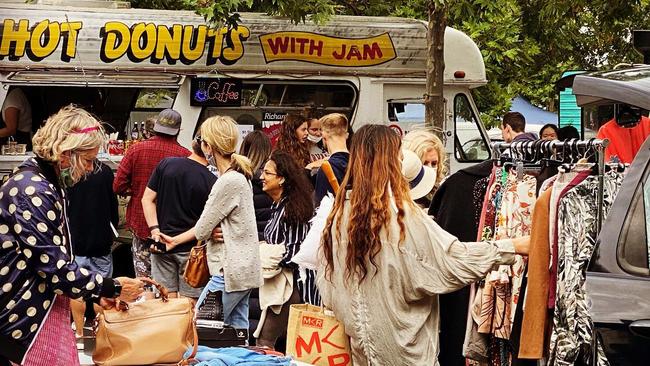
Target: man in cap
pixel 133 175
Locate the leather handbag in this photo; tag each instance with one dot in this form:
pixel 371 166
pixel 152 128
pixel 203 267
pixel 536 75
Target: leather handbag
pixel 151 332
pixel 196 272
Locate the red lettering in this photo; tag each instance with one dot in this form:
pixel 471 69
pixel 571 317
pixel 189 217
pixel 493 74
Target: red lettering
pixel 312 322
pixel 341 55
pixel 354 52
pixel 338 360
pixel 302 42
pixel 327 338
pixel 372 51
pixel 280 44
pixel 301 344
pixel 313 47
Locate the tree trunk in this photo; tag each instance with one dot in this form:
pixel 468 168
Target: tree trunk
pixel 434 101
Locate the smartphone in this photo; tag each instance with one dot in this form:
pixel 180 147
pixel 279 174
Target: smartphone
pixel 160 247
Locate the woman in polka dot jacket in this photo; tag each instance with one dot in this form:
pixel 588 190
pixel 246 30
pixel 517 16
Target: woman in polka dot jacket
pixel 38 275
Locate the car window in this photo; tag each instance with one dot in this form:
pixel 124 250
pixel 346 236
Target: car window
pixel 633 245
pixel 470 145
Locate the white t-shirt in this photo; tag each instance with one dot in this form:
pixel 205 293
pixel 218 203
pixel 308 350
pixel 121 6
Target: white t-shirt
pixel 17 99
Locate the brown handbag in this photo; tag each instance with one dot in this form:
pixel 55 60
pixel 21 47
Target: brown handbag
pixel 196 272
pixel 151 332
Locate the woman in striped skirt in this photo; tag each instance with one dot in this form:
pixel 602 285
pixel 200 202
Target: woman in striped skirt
pixel 292 208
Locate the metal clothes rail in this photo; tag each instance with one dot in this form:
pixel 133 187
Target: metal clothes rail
pixel 542 148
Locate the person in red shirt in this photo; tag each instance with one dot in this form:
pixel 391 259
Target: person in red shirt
pixel 624 142
pixel 133 175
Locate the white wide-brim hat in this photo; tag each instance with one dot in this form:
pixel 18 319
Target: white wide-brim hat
pixel 421 178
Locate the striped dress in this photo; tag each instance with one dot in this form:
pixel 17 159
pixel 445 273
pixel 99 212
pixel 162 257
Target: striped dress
pixel 278 231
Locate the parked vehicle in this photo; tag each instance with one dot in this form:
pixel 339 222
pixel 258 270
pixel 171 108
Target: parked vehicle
pixel 618 281
pixel 129 64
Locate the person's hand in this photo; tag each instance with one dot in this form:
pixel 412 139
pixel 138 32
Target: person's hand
pixel 217 235
pixel 132 288
pixel 155 235
pixel 169 241
pixel 315 165
pixel 106 303
pixel 522 245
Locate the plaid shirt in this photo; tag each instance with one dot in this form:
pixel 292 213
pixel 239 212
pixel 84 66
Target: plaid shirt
pixel 134 172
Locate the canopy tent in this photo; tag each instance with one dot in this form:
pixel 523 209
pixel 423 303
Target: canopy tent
pixel 535 116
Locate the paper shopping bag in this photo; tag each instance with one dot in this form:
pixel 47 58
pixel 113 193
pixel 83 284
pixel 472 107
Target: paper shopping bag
pixel 316 337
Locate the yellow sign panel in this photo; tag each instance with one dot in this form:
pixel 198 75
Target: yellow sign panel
pixel 326 50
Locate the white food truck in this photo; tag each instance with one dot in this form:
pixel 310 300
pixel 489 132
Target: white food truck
pixel 126 65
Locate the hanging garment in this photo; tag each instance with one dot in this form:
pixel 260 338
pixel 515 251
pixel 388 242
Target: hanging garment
pixel 571 337
pixel 513 220
pixel 536 317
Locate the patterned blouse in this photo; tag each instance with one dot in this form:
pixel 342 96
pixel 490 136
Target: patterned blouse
pixel 36 261
pixel 278 231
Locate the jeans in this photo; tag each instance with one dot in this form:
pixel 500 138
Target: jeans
pixel 235 304
pixel 102 265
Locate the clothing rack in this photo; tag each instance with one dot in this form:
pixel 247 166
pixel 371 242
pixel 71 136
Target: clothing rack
pixel 546 148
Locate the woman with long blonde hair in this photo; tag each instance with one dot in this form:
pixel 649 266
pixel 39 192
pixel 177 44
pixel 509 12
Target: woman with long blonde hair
pixel 234 261
pixel 385 261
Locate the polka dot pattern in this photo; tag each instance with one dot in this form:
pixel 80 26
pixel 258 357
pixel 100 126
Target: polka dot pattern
pixel 31 240
pixel 27 295
pixel 27 253
pixel 13 192
pixel 21 265
pixel 41 288
pixel 12 208
pixel 16 334
pixel 84 271
pixel 57 240
pixel 7 287
pixel 58 292
pixel 45 258
pixel 33 328
pixel 90 286
pixel 51 215
pixel 18 177
pixel 4 229
pixel 18 229
pixel 60 263
pixel 46 304
pixel 42 227
pixel 37 201
pixel 55 279
pixel 4 270
pixel 7 244
pixel 10 305
pixel 30 190
pixel 70 276
pixel 75 290
pixel 36 178
pixel 31 311
pixel 13 318
pixel 27 215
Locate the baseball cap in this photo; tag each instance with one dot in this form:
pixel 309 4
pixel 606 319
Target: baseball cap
pixel 421 178
pixel 168 122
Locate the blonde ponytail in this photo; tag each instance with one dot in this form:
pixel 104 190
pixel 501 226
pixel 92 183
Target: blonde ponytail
pixel 241 164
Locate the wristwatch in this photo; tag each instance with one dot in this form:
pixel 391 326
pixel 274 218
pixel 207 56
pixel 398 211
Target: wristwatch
pixel 118 288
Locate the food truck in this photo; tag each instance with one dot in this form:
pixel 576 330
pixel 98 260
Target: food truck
pixel 125 65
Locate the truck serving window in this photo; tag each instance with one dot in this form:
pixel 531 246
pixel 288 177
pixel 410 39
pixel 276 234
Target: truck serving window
pixel 264 103
pixel 469 143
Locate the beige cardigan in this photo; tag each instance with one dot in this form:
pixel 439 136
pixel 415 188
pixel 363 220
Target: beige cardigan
pixel 230 205
pixel 392 317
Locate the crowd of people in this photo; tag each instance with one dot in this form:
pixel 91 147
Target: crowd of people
pixel 253 208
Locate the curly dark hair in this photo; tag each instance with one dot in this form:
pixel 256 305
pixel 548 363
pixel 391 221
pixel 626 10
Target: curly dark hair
pixel 296 188
pixel 289 142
